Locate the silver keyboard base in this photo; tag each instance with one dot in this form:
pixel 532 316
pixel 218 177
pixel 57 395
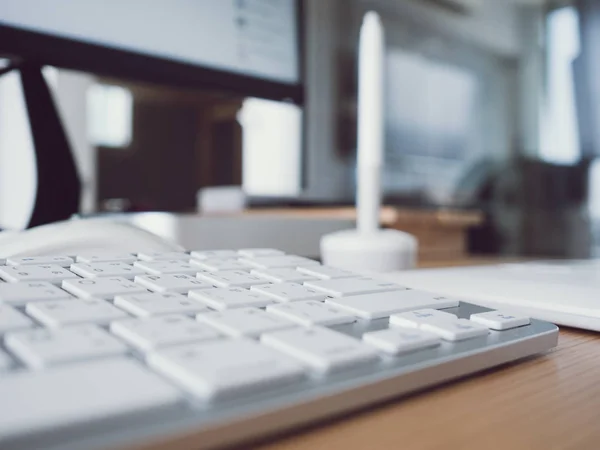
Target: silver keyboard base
pixel 198 426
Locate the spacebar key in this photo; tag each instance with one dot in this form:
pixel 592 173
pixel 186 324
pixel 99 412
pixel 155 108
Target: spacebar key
pixel 79 395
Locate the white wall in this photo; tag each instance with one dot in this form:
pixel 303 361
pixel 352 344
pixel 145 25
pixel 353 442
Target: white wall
pixel 17 165
pixel 17 161
pixel 70 94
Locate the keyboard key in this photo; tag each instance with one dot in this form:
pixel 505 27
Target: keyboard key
pixel 106 288
pixel 327 272
pixel 310 313
pixel 289 292
pixel 384 304
pixel 228 298
pixel 163 256
pixel 11 319
pixel 209 371
pixel 106 269
pixel 6 362
pixel 258 252
pixel 100 257
pixel 212 254
pixel 172 283
pixel 497 320
pixel 18 294
pixel 148 334
pixel 271 262
pixel 231 278
pixel 63 261
pixel 244 322
pixel 68 312
pixel 353 286
pixel 282 275
pixel 220 264
pixel 157 304
pixel 456 330
pixel 323 349
pixel 399 340
pixel 39 348
pixel 80 395
pixel 51 273
pixel 167 267
pixel 415 319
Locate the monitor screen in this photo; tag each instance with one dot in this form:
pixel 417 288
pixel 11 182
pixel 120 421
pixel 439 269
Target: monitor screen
pixel 252 38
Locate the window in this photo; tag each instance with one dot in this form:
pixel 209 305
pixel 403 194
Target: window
pixel 110 115
pixel 272 147
pixel 559 138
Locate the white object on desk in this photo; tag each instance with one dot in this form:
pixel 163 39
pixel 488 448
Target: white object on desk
pixel 368 247
pixel 563 292
pixel 221 199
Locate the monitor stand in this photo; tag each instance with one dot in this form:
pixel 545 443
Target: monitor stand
pixel 58 188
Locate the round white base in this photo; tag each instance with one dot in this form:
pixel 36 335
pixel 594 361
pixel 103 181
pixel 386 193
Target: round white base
pixel 378 251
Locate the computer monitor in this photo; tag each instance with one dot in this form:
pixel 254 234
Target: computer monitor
pixel 250 47
pixel 246 47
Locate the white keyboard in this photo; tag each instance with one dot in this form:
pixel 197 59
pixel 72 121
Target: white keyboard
pixel 217 347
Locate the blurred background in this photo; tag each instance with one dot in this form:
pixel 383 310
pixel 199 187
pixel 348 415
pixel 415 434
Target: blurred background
pixel 492 130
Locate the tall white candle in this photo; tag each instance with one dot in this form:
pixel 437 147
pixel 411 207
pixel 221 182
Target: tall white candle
pixel 370 122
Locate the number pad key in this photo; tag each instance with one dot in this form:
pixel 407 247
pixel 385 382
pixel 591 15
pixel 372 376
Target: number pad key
pixel 68 312
pixel 106 269
pixel 229 298
pixel 497 320
pixel 51 273
pixel 384 304
pixel 148 334
pixel 456 330
pixel 208 371
pixel 310 313
pixel 106 288
pixel 244 322
pixel 289 292
pixel 63 261
pixel 39 348
pixel 18 294
pixel 415 319
pixel 327 272
pixel 270 262
pixel 155 304
pixel 282 275
pixel 218 264
pixel 163 256
pixel 172 283
pixel 256 252
pixel 214 254
pixel 168 267
pixel 231 278
pixel 353 286
pixel 127 258
pixel 323 349
pixel 11 319
pixel 399 340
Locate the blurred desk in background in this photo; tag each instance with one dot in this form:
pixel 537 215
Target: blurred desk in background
pixel 442 233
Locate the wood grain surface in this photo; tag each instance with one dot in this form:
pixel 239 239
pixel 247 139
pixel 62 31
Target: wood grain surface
pixel 551 401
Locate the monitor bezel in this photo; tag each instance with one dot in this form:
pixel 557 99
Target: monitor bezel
pixel 46 49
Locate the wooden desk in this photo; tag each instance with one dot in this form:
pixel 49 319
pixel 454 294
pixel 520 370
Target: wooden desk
pixel 547 402
pixel 442 233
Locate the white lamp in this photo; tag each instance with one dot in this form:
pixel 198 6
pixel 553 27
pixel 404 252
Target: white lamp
pixel 369 248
